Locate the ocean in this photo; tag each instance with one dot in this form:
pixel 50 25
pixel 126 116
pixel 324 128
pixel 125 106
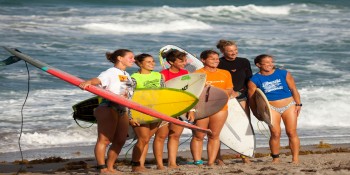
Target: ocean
pixel 311 39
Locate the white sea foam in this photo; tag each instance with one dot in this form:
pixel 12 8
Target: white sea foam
pixel 325 106
pixel 172 26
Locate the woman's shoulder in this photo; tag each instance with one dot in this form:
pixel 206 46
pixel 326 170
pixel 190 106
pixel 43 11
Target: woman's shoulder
pixel 255 76
pixel 111 70
pixel 155 73
pixel 223 71
pixel 184 71
pixel 281 71
pixel 164 71
pixel 135 74
pixel 200 70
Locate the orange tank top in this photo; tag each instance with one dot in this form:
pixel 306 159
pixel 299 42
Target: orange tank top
pixel 220 79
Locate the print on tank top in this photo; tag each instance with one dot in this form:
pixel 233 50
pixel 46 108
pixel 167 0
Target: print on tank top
pixel 151 83
pixel 270 86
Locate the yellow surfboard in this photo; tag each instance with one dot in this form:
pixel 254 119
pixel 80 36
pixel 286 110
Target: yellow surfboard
pixel 169 101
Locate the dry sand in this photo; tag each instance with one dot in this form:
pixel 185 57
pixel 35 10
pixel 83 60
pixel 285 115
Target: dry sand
pixel 315 159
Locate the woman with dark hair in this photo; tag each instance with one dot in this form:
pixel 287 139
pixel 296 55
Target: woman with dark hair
pixel 279 87
pixel 112 119
pixel 177 61
pixel 222 79
pixel 145 78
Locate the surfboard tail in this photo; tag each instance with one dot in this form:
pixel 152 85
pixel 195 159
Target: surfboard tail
pixel 101 92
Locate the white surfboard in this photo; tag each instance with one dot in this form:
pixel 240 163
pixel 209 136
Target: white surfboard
pixel 238 133
pixel 192 62
pixel 192 83
pixel 263 107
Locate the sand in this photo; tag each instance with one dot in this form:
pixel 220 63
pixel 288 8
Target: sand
pixel 315 159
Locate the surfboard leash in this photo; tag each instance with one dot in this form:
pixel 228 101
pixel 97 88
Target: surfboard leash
pixel 8 61
pixel 84 127
pixel 20 134
pixel 257 124
pixel 132 146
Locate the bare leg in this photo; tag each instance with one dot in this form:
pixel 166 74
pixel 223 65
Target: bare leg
pixel 158 145
pixel 175 132
pixel 275 135
pixel 142 132
pixel 290 120
pixel 216 122
pixel 153 129
pixel 197 139
pixel 219 160
pixel 106 128
pixel 118 140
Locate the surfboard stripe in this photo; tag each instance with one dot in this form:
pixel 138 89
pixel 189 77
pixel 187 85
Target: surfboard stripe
pixel 101 92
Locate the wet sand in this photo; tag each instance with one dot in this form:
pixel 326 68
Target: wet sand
pixel 314 159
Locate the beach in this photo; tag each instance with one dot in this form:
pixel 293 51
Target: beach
pixel 322 158
pixel 309 39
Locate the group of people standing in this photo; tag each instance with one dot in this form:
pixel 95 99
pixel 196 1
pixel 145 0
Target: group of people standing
pixel 231 73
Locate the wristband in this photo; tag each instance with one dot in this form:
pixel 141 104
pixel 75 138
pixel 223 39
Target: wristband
pixel 299 104
pixel 193 110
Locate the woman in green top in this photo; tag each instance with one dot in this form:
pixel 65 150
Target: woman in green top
pixel 145 78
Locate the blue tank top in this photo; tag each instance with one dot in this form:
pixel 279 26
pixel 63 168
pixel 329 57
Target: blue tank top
pixel 274 86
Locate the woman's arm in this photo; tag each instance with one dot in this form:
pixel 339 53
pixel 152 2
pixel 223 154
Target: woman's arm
pixel 295 93
pixel 94 81
pixel 251 98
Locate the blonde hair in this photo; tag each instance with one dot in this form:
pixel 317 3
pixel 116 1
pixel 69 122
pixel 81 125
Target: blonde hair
pixel 223 43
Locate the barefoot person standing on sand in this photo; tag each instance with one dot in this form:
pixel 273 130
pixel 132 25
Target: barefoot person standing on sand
pixel 241 72
pixel 280 89
pixel 222 79
pixel 112 119
pixel 145 78
pixel 177 61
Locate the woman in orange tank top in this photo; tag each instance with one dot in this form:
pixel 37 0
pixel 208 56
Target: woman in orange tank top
pixel 222 79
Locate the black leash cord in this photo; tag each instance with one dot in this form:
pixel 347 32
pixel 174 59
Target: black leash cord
pixel 20 134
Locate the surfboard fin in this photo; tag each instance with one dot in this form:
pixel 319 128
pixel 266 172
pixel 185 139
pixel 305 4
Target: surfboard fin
pixel 10 60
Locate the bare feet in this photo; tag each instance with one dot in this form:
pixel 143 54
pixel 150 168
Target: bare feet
pixel 173 166
pixel 295 162
pixel 220 162
pixel 109 171
pixel 246 160
pixel 160 167
pixel 138 169
pixel 276 160
pixel 210 164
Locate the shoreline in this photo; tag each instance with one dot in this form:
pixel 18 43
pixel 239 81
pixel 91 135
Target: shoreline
pixel 321 158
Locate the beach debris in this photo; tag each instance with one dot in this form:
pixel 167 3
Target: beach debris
pixel 323 145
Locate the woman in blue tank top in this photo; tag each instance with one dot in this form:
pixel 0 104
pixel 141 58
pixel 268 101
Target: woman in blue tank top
pixel 280 89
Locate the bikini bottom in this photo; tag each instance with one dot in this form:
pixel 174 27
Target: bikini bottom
pixel 282 109
pixel 121 110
